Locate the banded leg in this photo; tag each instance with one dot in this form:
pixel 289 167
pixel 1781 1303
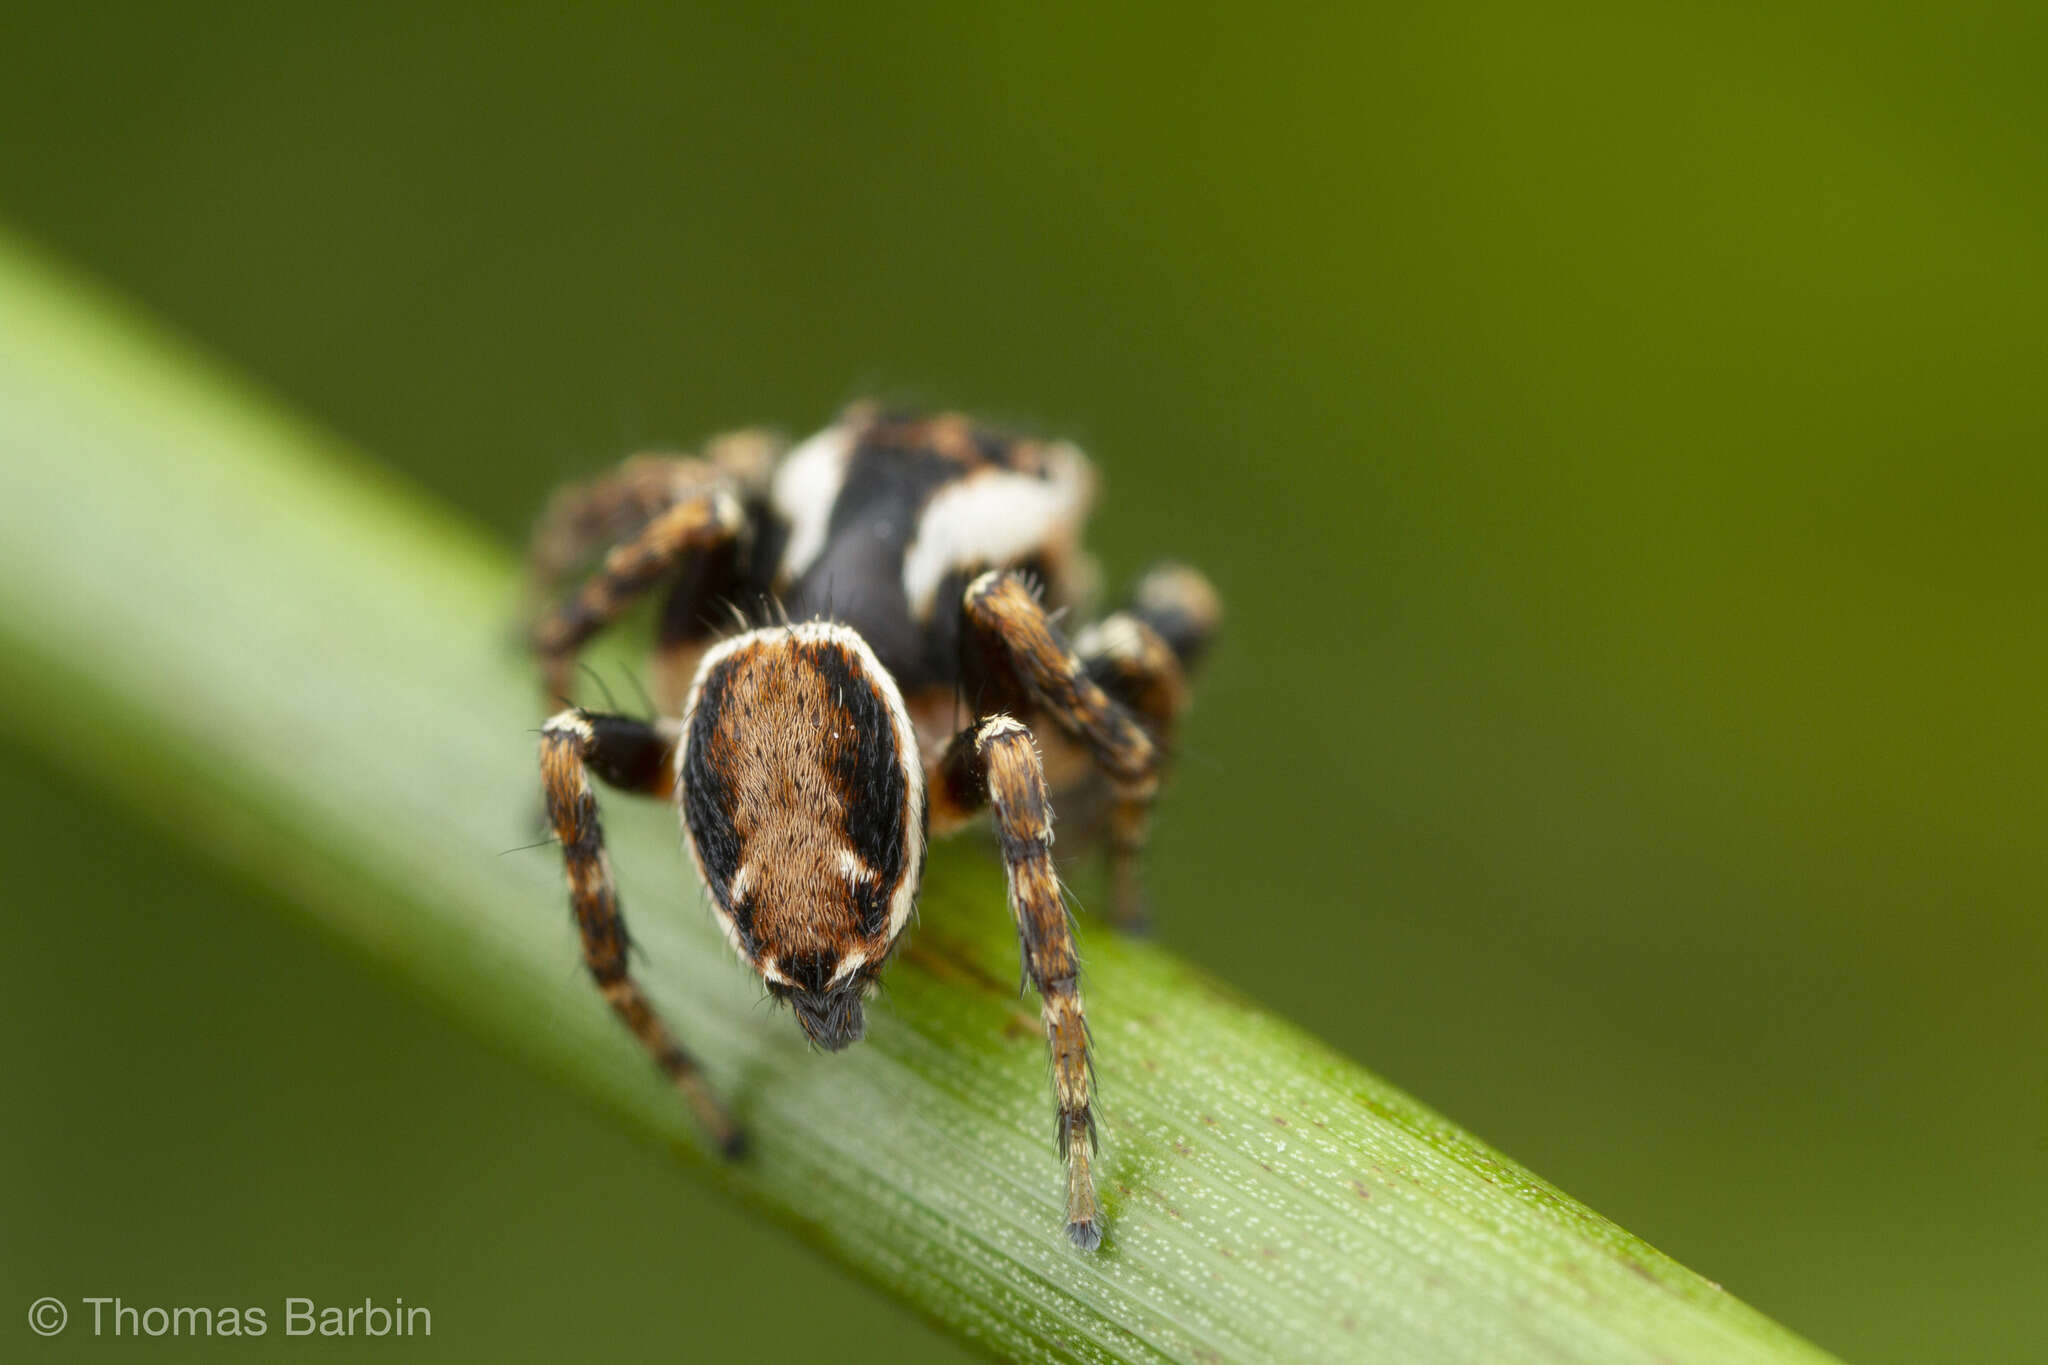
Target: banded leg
pixel 1142 657
pixel 583 518
pixel 1006 614
pixel 995 761
pixel 1135 666
pixel 701 521
pixel 635 757
pixel 1181 605
pixel 699 605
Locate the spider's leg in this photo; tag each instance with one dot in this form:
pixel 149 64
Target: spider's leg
pixel 698 608
pixel 1003 611
pixel 995 761
pixel 704 519
pixel 1142 657
pixel 632 756
pixel 583 518
pixel 711 590
pixel 1176 601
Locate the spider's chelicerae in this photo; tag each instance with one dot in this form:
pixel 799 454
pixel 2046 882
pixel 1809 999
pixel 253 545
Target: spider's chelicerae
pixel 859 638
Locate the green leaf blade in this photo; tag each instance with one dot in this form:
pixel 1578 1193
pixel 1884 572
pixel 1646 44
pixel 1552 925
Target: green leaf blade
pixel 219 617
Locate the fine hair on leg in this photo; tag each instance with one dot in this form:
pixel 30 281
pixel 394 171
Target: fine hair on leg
pixel 638 757
pixel 995 760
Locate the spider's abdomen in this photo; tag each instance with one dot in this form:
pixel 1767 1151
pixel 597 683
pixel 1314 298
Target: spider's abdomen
pixel 889 517
pixel 802 799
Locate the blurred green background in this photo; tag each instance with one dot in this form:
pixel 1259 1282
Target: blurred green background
pixel 1619 437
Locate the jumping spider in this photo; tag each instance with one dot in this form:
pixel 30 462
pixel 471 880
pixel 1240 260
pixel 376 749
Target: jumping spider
pixel 858 639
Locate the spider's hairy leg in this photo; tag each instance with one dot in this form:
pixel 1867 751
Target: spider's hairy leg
pixel 995 760
pixel 695 523
pixel 1179 603
pixel 582 518
pixel 1003 611
pixel 707 588
pixel 1143 656
pixel 1131 662
pixel 632 756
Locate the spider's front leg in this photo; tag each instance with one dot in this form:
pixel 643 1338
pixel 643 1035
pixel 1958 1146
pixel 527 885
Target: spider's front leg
pixel 583 518
pixel 1003 611
pixel 690 518
pixel 995 761
pixel 632 756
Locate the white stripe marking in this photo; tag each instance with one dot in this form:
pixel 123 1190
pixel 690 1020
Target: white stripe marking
pixel 995 517
pixel 807 483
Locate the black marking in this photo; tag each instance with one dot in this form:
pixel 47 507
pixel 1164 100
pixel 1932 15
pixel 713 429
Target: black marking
pixel 988 682
pixel 688 612
pixel 809 971
pixel 857 576
pixel 869 772
pixel 947 626
pixel 871 903
pixel 887 475
pixel 752 594
pixel 707 795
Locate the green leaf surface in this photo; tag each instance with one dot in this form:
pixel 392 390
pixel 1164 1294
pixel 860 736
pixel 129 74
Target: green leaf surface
pixel 224 619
